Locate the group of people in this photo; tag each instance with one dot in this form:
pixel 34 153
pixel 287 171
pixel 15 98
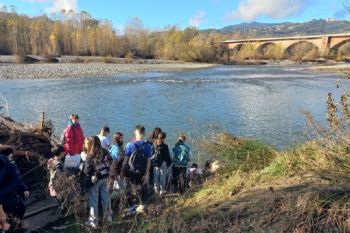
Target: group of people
pixel 108 171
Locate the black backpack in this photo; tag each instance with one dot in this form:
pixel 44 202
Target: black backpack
pixel 138 160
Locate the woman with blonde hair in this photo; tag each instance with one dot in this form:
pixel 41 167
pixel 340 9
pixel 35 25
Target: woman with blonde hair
pixel 96 171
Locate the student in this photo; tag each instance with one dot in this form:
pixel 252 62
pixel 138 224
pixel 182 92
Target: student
pixel 55 167
pixel 14 205
pixel 103 137
pixel 117 183
pixel 136 166
pixel 96 172
pixel 161 161
pixel 151 140
pixel 9 184
pixel 73 143
pixel 154 135
pixel 181 159
pixel 117 150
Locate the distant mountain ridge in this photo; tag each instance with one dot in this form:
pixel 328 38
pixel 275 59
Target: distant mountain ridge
pixel 256 29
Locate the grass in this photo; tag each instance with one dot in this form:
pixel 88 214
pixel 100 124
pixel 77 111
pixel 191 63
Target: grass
pixel 261 190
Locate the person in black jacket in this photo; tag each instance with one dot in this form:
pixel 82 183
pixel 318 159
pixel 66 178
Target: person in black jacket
pixel 161 161
pixel 9 185
pixel 96 172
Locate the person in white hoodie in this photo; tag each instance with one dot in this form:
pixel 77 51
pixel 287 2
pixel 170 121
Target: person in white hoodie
pixel 103 136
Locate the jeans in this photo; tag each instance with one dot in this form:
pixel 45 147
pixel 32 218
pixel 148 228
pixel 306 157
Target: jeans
pixel 99 189
pixel 159 178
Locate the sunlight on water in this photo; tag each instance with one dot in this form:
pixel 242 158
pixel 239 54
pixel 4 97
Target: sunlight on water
pixel 259 102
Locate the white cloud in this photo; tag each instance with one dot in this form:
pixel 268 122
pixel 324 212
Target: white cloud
pixel 249 10
pixel 58 5
pixel 197 19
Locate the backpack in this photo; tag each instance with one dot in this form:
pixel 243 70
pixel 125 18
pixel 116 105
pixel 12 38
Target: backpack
pixel 138 160
pixel 181 155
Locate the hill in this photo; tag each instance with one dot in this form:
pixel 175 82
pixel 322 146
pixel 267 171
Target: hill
pixel 256 29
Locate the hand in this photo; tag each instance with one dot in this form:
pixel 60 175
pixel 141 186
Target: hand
pixel 93 179
pixel 145 179
pixel 3 224
pixel 26 194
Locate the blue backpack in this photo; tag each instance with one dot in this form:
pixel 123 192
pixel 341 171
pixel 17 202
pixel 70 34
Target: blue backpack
pixel 181 155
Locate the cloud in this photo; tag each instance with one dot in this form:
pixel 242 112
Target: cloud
pixel 197 19
pixel 58 5
pixel 249 10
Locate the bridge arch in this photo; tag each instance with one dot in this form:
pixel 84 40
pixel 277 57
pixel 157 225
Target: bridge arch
pixel 340 49
pixel 303 50
pixel 269 50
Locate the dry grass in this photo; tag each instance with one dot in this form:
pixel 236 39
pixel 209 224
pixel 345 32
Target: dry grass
pixel 302 190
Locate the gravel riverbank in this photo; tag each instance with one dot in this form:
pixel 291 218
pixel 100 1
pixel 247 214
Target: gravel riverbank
pixel 82 70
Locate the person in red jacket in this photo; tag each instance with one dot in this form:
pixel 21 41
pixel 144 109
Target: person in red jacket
pixel 73 142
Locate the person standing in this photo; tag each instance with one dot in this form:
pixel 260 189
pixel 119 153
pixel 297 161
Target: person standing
pixel 182 156
pixel 96 173
pixel 10 182
pixel 117 183
pixel 103 136
pixel 73 143
pixel 161 161
pixel 14 204
pixel 136 167
pixel 154 135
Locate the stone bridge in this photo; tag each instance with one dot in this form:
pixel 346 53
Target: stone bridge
pixel 324 43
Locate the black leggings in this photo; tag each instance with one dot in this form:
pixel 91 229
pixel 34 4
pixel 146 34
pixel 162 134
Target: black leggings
pixel 135 185
pixel 176 175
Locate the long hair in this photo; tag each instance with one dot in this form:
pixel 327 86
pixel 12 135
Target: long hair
pixel 155 132
pixel 116 138
pixel 94 148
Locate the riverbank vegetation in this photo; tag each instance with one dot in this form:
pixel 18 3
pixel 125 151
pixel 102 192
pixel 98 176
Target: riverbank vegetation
pixel 79 34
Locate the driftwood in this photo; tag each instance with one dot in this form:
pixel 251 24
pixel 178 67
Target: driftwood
pixel 32 148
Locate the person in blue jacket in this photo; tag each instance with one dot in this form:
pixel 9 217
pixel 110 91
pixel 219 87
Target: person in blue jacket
pixel 13 203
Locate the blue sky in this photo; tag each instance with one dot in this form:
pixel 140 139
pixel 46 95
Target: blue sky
pixel 200 13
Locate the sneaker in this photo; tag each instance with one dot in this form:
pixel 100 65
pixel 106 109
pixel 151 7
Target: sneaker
pixel 91 224
pixel 140 209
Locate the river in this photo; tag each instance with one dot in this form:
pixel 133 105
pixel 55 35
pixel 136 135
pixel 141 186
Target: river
pixel 262 102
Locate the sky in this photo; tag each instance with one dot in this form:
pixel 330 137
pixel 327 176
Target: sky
pixel 157 14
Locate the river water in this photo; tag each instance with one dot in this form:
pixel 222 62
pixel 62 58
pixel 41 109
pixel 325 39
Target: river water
pixel 262 102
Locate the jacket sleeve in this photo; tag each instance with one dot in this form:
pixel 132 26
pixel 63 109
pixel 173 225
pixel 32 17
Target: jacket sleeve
pixel 81 137
pixel 68 140
pixel 14 182
pixel 22 186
